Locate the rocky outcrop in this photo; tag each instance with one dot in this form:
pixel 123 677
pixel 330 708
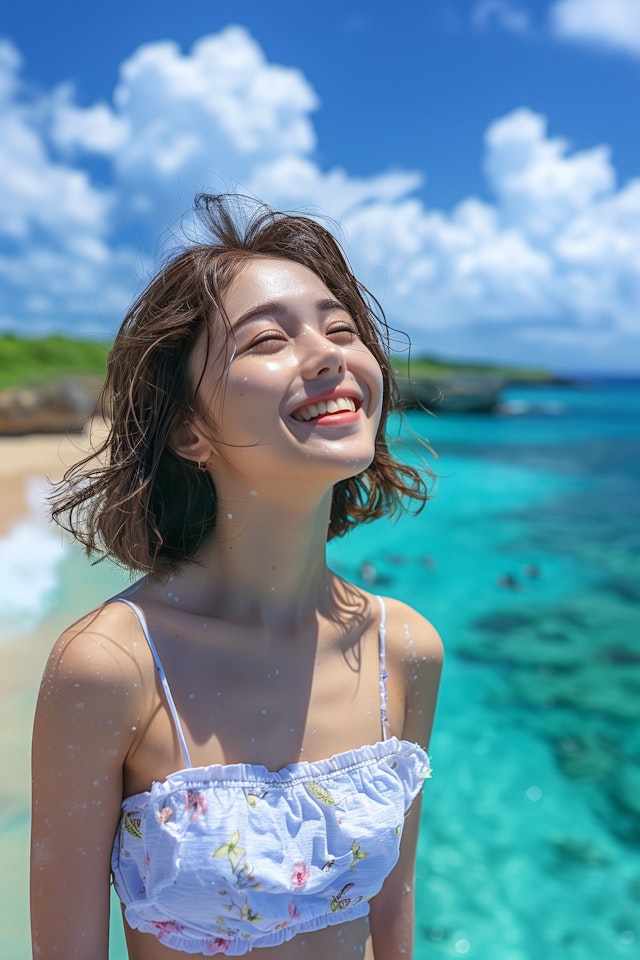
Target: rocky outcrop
pixel 455 393
pixel 63 406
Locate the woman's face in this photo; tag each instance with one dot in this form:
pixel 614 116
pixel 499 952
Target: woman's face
pixel 302 394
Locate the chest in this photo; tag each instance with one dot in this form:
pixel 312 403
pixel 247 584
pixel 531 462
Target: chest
pixel 261 703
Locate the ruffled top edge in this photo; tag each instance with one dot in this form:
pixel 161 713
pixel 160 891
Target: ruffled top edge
pixel 250 774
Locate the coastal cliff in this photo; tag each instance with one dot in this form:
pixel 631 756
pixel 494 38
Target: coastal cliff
pixel 51 384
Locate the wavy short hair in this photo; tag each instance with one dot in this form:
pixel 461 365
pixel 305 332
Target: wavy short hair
pixel 137 501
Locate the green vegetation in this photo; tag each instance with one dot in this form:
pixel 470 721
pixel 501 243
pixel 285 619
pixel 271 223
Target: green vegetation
pixel 39 360
pixel 427 367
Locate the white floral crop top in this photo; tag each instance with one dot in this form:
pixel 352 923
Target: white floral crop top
pixel 225 858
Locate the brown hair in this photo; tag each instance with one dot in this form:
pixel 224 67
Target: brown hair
pixel 144 505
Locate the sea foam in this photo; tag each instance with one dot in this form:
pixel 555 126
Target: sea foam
pixel 31 555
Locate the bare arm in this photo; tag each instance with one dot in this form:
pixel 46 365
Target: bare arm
pixel 85 713
pixel 420 659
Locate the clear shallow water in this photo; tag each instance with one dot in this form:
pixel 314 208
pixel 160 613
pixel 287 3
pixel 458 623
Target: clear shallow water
pixel 530 848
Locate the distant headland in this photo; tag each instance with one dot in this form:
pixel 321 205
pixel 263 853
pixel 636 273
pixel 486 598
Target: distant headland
pixel 51 384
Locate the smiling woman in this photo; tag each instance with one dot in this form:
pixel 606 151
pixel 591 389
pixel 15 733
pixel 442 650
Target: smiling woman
pixel 240 736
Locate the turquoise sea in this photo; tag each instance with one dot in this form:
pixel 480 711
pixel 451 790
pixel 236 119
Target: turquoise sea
pixel 528 562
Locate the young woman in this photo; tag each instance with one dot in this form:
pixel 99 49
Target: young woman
pixel 239 737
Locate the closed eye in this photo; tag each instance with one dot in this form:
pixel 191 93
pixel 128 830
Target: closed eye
pixel 267 340
pixel 343 332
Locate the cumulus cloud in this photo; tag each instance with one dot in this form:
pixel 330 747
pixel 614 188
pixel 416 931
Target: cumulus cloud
pixel 86 190
pixel 54 220
pixel 558 249
pixel 539 185
pixel 608 24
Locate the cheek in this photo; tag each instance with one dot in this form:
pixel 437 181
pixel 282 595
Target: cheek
pixel 250 403
pixel 376 380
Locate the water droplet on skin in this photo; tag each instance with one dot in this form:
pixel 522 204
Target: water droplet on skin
pixel 79 706
pixel 229 516
pixel 253 493
pixel 192 696
pixel 277 672
pixel 273 589
pixel 134 728
pixel 263 712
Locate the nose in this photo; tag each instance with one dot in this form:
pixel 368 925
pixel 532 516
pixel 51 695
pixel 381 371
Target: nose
pixel 320 357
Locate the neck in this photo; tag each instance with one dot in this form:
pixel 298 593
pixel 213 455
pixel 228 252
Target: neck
pixel 264 564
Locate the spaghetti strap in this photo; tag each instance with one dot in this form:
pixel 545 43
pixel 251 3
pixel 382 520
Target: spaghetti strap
pixel 382 635
pixel 163 678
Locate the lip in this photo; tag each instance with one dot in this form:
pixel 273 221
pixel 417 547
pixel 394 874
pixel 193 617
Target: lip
pixel 354 395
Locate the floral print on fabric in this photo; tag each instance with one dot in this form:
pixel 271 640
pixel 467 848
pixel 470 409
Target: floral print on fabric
pixel 300 874
pixel 224 859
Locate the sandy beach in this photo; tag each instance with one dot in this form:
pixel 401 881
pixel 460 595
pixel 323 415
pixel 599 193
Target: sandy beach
pixel 25 462
pixel 37 457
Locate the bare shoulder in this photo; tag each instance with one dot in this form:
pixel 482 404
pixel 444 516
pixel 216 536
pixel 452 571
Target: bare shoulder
pixel 411 636
pixel 414 663
pixel 97 662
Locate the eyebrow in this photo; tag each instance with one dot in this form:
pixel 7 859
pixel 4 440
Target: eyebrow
pixel 277 308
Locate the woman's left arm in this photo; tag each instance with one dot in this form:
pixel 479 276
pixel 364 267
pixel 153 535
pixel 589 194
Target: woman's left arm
pixel 415 650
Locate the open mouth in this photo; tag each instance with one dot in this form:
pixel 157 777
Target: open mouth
pixel 324 407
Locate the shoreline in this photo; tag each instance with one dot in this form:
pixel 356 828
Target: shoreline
pixel 40 457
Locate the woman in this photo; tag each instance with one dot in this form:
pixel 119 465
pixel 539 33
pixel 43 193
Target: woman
pixel 259 715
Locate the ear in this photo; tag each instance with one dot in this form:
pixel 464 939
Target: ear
pixel 188 442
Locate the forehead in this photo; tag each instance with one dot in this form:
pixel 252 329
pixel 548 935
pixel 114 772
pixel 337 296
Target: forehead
pixel 268 280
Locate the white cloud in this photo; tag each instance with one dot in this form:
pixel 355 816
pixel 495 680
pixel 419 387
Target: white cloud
pixel 215 108
pixel 503 14
pixel 555 249
pixel 36 190
pixel 608 24
pixel 292 180
pixel 539 185
pixel 559 249
pixel 54 221
pixel 95 129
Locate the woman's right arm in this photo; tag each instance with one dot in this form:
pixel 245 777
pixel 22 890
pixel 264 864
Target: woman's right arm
pixel 86 716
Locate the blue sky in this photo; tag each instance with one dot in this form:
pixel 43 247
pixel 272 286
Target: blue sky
pixel 481 157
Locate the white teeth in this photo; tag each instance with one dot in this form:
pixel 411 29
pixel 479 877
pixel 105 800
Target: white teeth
pixel 329 406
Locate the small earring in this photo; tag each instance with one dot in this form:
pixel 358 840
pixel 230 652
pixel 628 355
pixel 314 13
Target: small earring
pixel 203 465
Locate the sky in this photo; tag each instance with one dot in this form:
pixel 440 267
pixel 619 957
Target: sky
pixel 480 159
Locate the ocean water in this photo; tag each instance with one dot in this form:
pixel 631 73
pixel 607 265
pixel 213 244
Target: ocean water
pixel 527 560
